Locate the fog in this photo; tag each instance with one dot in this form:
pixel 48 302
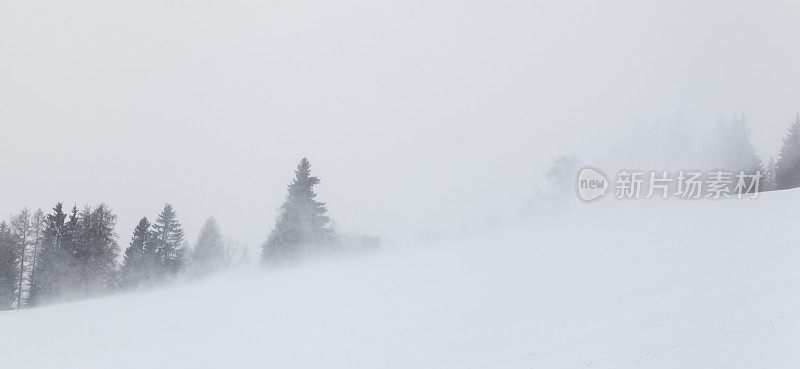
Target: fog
pixel 419 116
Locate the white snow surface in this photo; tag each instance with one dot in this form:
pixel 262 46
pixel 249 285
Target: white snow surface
pixel 613 284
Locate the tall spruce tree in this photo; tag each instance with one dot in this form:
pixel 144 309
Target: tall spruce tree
pixel 96 250
pixel 38 223
pixel 303 225
pixel 787 174
pixel 140 263
pixel 8 267
pixel 168 238
pixel 54 261
pixel 23 230
pixel 72 245
pixel 209 251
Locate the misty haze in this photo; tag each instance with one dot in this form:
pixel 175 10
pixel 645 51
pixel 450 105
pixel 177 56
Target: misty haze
pixel 403 184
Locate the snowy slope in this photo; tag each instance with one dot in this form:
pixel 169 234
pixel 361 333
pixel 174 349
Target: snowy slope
pixel 650 284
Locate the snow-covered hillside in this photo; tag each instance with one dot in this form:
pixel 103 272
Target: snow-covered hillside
pixel 614 284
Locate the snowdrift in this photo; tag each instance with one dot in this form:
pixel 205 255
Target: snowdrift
pixel 613 284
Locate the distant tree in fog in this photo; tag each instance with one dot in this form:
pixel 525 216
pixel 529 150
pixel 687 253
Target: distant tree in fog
pixel 769 181
pixel 242 257
pixel 234 254
pixel 140 265
pixel 788 172
pixel 672 145
pixel 209 250
pixel 560 179
pixel 9 266
pixel 732 149
pixel 169 241
pixel 562 172
pixel 303 224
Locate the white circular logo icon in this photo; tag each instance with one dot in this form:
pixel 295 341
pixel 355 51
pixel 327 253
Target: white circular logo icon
pixel 591 184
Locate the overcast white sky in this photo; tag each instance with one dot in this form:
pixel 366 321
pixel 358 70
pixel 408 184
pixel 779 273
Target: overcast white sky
pixel 417 114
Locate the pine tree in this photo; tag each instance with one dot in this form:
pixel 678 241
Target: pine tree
pixel 168 235
pixel 96 249
pixel 8 267
pixel 54 261
pixel 72 247
pixel 302 225
pixel 787 174
pixel 38 223
pixel 140 263
pixel 208 255
pixel 23 231
pixel 733 150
